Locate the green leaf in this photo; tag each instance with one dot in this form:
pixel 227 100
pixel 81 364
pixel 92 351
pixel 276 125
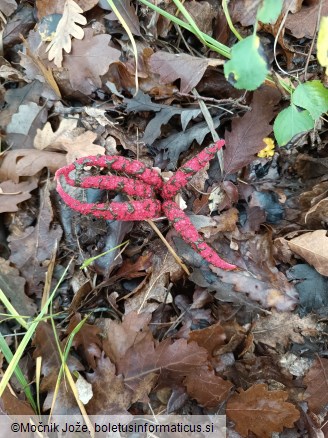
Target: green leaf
pixel 291 122
pixel 312 96
pixel 247 69
pixel 269 11
pixel 322 43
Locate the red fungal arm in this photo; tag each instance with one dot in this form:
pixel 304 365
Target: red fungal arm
pixel 190 235
pixel 189 169
pixel 143 187
pixel 120 164
pixel 121 211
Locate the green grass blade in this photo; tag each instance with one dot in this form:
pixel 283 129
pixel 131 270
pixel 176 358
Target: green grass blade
pixel 27 337
pixel 18 372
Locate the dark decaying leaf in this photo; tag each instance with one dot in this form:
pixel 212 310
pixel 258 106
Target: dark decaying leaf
pixel 30 258
pixel 311 286
pixel 163 113
pixel 246 136
pixel 128 12
pixel 177 143
pixel 261 411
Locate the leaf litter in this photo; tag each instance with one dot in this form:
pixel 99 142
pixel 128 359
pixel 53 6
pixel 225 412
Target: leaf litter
pixel 156 339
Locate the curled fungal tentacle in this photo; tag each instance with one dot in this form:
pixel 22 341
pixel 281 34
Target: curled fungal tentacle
pixel 190 235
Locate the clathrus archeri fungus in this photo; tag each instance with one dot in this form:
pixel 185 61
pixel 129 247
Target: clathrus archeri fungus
pixel 144 184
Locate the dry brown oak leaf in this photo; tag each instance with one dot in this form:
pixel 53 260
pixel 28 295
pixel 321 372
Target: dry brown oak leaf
pixel 90 59
pixel 261 411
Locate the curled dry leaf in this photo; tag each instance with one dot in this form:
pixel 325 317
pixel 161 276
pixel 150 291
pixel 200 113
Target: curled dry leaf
pixel 261 411
pixel 313 247
pixel 66 27
pixel 12 194
pixel 29 162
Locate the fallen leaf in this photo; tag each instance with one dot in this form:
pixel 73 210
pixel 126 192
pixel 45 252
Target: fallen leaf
pixel 170 67
pixel 261 411
pixel 31 251
pixel 164 270
pixel 12 194
pixel 68 138
pixel 279 329
pixel 12 285
pixel 23 125
pixel 49 7
pixel 35 69
pixel 303 23
pixel 86 341
pixel 66 27
pixel 179 142
pixel 119 337
pixel 178 359
pixel 208 389
pixel 28 162
pixel 316 393
pixel 163 113
pixel 46 347
pixel 244 11
pixel 312 247
pixel 12 405
pixel 7 7
pixel 203 13
pixel 209 338
pixel 110 395
pixel 246 136
pixel 89 60
pixel 311 287
pixel 129 15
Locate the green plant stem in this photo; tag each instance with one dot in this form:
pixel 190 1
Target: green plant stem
pixel 229 21
pixel 209 41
